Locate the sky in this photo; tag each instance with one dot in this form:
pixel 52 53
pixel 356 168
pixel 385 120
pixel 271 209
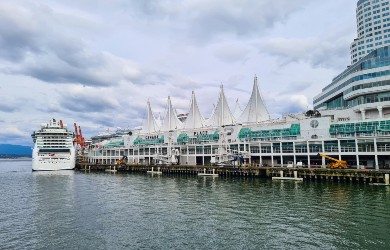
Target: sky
pixel 98 62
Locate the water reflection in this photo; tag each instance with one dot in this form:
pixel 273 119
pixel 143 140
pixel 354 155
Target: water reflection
pixel 89 210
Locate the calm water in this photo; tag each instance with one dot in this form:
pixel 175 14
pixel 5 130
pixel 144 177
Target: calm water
pixel 76 210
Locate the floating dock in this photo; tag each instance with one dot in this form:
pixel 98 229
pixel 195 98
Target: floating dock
pixel 154 172
pixel 111 170
pixel 295 178
pixel 213 174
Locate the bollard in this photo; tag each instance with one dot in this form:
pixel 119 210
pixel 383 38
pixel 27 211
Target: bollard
pixel 281 173
pixel 387 179
pixel 295 174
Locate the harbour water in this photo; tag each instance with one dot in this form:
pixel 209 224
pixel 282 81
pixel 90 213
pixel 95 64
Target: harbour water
pixel 78 210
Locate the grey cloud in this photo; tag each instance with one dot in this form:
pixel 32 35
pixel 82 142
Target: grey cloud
pixel 34 49
pixel 88 103
pixel 238 18
pixel 202 21
pixel 17 35
pixel 295 87
pixel 231 53
pixel 8 107
pixel 287 104
pixel 326 52
pixel 286 107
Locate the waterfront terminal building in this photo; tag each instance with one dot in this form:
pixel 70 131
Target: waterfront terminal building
pixel 350 121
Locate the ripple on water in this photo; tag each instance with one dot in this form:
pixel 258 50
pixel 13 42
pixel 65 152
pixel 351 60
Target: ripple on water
pixel 135 211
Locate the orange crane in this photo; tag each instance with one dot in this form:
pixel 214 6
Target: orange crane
pixel 77 134
pixel 335 163
pixel 122 161
pixel 80 140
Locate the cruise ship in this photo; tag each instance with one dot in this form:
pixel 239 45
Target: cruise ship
pixel 54 148
pixel 350 120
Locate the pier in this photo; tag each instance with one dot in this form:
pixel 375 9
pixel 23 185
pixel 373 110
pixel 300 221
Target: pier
pixel 364 176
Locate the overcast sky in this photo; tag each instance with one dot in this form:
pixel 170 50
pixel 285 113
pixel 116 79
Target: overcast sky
pixel 97 63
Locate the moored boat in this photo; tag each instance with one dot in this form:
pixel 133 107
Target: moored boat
pixel 54 148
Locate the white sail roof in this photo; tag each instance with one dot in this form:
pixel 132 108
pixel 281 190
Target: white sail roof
pixel 159 120
pixel 150 125
pixel 194 118
pixel 171 121
pixel 237 110
pixel 222 114
pixel 255 110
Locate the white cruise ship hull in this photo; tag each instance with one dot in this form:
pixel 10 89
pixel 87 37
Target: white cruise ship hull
pixel 52 161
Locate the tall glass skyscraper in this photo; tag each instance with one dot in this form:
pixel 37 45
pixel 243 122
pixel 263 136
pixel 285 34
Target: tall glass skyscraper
pixel 373 27
pixel 365 85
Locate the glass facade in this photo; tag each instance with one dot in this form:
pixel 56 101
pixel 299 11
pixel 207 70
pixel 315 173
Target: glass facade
pixel 334 99
pixel 373 24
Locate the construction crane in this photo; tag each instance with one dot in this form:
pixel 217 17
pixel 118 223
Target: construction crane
pixel 82 139
pixel 76 139
pixel 335 163
pixel 79 140
pixel 122 161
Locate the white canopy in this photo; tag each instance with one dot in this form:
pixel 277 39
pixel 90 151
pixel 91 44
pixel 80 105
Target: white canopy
pixel 237 110
pixel 194 117
pixel 221 115
pixel 171 121
pixel 150 125
pixel 255 110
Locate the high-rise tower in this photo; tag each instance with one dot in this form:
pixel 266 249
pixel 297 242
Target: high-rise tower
pixel 365 85
pixel 373 27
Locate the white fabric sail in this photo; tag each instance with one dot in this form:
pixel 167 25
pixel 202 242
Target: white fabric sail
pixel 150 125
pixel 194 117
pixel 159 120
pixel 255 110
pixel 171 121
pixel 221 115
pixel 237 110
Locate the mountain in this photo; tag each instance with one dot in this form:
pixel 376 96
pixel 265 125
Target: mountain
pixel 15 150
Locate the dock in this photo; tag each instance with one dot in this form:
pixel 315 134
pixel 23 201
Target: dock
pixel 363 176
pixel 154 172
pixel 205 173
pixel 112 169
pixel 281 177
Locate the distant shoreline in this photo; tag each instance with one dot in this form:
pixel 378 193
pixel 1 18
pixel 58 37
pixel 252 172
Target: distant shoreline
pixel 10 157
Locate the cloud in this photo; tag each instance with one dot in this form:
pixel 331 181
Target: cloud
pixel 315 51
pixel 11 132
pixel 202 21
pixel 287 104
pixel 295 87
pixel 32 48
pixel 213 19
pixel 86 99
pixel 8 107
pixel 231 53
pixel 98 62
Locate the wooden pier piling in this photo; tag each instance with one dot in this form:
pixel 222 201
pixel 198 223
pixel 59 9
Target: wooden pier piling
pixel 308 174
